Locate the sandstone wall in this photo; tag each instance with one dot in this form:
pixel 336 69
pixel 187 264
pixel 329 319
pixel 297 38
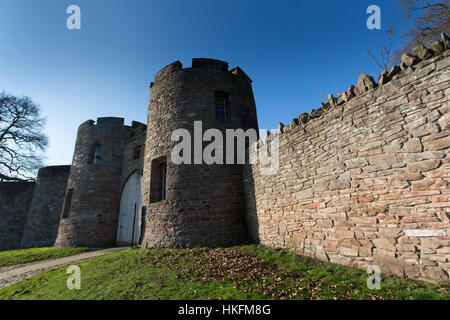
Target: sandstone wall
pixel 45 211
pixel 360 172
pixel 15 200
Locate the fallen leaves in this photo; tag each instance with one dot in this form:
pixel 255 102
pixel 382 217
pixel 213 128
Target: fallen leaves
pixel 257 277
pixel 236 266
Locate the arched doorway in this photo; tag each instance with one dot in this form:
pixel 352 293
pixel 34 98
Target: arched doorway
pixel 129 228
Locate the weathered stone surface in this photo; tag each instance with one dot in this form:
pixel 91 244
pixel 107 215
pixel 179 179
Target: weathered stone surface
pixel 446 40
pixel 440 144
pixel 384 78
pixel 341 98
pixel 422 53
pixel 412 145
pixel 45 210
pixel 423 166
pixel 304 194
pixel 293 123
pixel 325 105
pixel 304 117
pixel 364 84
pixel 356 163
pixel 332 100
pixel 394 71
pixel 435 273
pixel 350 92
pixel 15 200
pixel 384 244
pixel 321 254
pixel 345 234
pixel 346 96
pixel 408 60
pixel 389 264
pixel 316 113
pixel 444 121
pixel 437 48
pixel 348 251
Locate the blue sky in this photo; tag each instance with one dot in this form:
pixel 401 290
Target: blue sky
pixel 296 52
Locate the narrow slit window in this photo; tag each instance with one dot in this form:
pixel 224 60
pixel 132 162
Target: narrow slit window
pixel 158 180
pixel 67 203
pixel 163 181
pixel 221 106
pixel 98 154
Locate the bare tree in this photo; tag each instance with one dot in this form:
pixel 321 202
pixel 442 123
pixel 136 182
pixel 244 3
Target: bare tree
pixel 429 17
pixel 21 139
pixel 383 56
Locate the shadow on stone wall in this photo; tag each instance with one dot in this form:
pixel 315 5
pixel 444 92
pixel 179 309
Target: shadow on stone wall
pixel 251 216
pixel 15 200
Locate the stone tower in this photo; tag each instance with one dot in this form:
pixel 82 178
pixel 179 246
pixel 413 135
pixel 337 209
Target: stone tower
pixel 91 206
pixel 195 204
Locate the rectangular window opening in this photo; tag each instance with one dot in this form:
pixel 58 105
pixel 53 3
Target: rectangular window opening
pixel 221 106
pixel 158 180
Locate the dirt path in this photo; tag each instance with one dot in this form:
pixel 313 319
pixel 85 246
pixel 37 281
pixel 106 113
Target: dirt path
pixel 14 274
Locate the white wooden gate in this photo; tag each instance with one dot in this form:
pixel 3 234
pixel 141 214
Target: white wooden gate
pixel 130 211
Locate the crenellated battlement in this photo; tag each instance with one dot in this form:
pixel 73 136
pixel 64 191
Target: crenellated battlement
pixel 103 122
pixel 363 180
pixel 113 123
pixel 421 59
pixel 200 63
pixel 209 64
pixel 53 170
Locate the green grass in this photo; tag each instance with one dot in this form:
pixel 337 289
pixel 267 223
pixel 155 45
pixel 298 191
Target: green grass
pixel 13 257
pixel 247 272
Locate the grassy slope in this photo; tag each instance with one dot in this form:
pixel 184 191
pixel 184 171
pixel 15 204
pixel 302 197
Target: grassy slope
pixel 249 272
pixel 13 257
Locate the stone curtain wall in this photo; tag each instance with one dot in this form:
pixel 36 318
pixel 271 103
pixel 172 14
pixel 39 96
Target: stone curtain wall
pixel 15 200
pixel 45 211
pixel 358 173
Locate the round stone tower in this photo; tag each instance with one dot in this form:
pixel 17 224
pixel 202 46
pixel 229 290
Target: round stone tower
pixel 195 204
pixel 91 206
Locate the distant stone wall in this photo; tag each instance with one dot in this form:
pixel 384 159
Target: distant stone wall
pixel 45 211
pixel 15 200
pixel 357 175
